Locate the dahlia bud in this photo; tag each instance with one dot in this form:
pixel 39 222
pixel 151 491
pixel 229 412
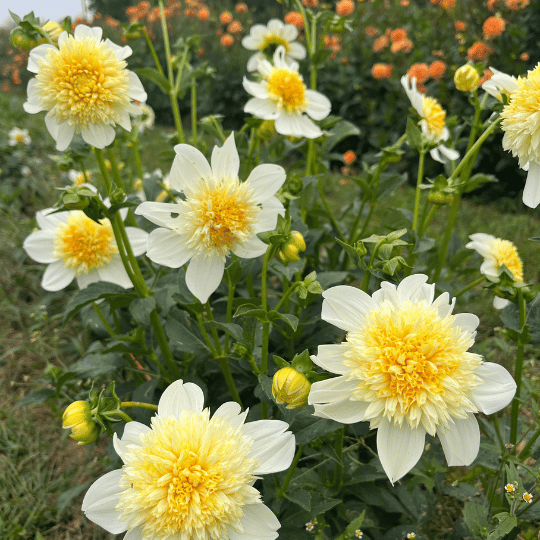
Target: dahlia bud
pixel 53 30
pixel 22 40
pixel 292 387
pixel 466 78
pixel 289 250
pixel 78 418
pixel 440 198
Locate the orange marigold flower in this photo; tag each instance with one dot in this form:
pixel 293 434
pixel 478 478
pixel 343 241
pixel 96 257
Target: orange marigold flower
pixel 485 77
pixel 226 40
pixel 493 27
pixel 439 54
pixel 516 4
pixel 293 17
pixel 479 51
pixel 225 17
pixel 387 32
pixel 97 16
pixel 345 8
pixel 154 15
pixel 349 157
pixel 310 3
pixel 381 71
pixel 447 4
pixel 380 43
pixel 421 88
pixel 404 45
pixel 491 4
pixel 437 69
pixel 524 56
pixel 241 7
pixel 371 31
pixel 219 32
pixel 203 14
pixel 189 13
pixel 112 22
pixel 420 71
pixel 235 27
pixel 397 35
pixel 460 26
pixel 404 3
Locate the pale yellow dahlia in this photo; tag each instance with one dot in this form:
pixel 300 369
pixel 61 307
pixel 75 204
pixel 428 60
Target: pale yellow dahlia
pixel 190 476
pixel 406 368
pixel 84 86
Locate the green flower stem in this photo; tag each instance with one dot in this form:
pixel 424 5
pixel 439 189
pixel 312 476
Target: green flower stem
pixel 456 199
pixel 103 170
pixel 372 204
pixel 193 92
pixel 136 153
pixel 228 313
pixel 139 405
pixel 265 325
pixel 102 318
pixel 286 296
pixel 115 170
pixel 252 144
pixel 226 370
pixel 524 454
pixel 121 414
pixel 426 220
pixel 367 273
pixel 141 284
pixel 329 211
pixel 474 130
pixel 283 489
pixel 338 471
pixel 216 124
pixel 470 286
pixel 163 344
pixel 205 335
pixel 213 328
pixel 518 369
pixel 124 257
pixel 153 52
pixel 417 195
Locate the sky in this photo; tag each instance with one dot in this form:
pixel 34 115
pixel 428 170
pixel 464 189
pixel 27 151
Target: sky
pixel 54 11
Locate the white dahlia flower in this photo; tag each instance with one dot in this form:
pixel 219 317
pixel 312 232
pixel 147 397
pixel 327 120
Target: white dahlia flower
pixel 282 96
pixel 189 476
pixel 19 136
pixel 265 39
pixel 75 246
pixel 219 215
pixel 84 86
pixel 432 121
pixel 499 84
pixel 406 369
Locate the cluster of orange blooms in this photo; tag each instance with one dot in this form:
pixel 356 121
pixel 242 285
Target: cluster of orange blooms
pixel 423 72
pixel 12 70
pixel 493 27
pixel 397 39
pixel 479 52
pixel 333 43
pixel 345 8
pixel 382 71
pixel 310 3
pixel 513 5
pixel 294 17
pixel 445 4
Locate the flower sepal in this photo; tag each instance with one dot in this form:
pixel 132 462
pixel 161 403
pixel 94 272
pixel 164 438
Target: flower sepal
pixel 105 410
pixel 505 286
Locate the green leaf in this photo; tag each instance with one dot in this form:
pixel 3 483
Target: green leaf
pixel 475 516
pixel 354 525
pixel 97 364
pixel 413 134
pixel 233 330
pixel 141 308
pixel 340 131
pixel 477 180
pixel 37 396
pixel 317 429
pixel 301 497
pixel 506 523
pixel 183 339
pixel 290 320
pixel 251 310
pixel 154 76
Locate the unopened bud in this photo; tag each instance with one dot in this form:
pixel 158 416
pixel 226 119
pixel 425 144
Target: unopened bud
pixel 291 387
pixel 22 41
pixel 289 250
pixel 78 418
pixel 53 30
pixel 267 130
pixel 440 198
pixel 466 78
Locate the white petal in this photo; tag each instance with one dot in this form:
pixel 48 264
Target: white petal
pixel 40 246
pixel 57 276
pixel 330 358
pixel 49 220
pixel 253 247
pixel 134 534
pixel 450 153
pixel 160 213
pixel 265 180
pixel 272 446
pixel 231 412
pixel 33 105
pixel 296 50
pixel 345 412
pixel 36 54
pixel 497 389
pixel 467 321
pixel 331 390
pixel 461 442
pixel 131 436
pixel 262 108
pixel 120 52
pixel 250 43
pixel 412 287
pixel 179 396
pixel 500 303
pixel 258 522
pixel 289 32
pixel 267 217
pixel 346 307
pixel 274 26
pixel 225 160
pixel 98 135
pixel 531 193
pixel 138 240
pixel 253 62
pixel 319 106
pixel 255 89
pixel 85 31
pixel 204 275
pixel 85 279
pixel 188 167
pixel 99 503
pixel 434 153
pixel 168 248
pixel 399 448
pixel 115 272
pixel 297 126
pixel 124 121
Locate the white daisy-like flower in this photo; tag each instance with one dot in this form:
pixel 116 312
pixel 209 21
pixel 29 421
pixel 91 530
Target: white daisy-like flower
pixel 265 40
pixel 19 136
pixel 282 96
pixel 432 121
pixel 147 118
pixel 406 369
pixel 78 178
pixel 75 246
pixel 499 84
pixel 189 476
pixel 219 215
pixel 497 252
pixel 84 86
pixel 521 126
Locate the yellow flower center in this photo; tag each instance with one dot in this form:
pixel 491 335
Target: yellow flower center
pixel 412 365
pixel 505 253
pixel 288 89
pixel 80 179
pixel 272 42
pixel 521 119
pixel 220 216
pixel 190 478
pixel 83 244
pixel 83 83
pixel 434 116
pixel 20 138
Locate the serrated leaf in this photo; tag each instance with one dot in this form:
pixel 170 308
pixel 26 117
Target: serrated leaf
pixel 300 497
pixel 506 523
pixel 475 516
